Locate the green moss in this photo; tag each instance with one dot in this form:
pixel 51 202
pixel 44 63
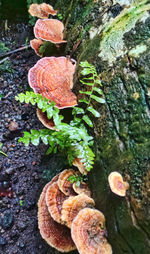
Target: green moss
pixel 112 44
pixel 139 49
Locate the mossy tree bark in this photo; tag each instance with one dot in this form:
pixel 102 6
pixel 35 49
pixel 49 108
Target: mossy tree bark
pixel 114 36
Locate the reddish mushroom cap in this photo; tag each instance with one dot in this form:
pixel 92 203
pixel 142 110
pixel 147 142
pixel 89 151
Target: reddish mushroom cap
pixel 73 205
pixel 35 44
pixel 49 30
pixel 88 232
pixel 54 201
pixel 77 162
pixel 64 185
pixel 41 10
pixel 48 123
pixel 56 235
pixel 82 188
pixel 117 184
pixel 52 77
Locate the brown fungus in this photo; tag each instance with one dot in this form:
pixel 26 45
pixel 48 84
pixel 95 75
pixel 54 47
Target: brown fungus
pixel 77 162
pixel 64 185
pixel 88 232
pixel 54 201
pixel 48 123
pixel 35 44
pixel 41 10
pixel 72 206
pixel 117 184
pixel 81 188
pixel 55 234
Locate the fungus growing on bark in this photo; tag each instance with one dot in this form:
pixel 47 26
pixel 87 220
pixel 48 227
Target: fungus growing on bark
pixel 88 232
pixel 55 234
pixel 117 184
pixel 48 123
pixel 64 185
pixel 72 206
pixel 77 163
pixel 82 188
pixel 35 44
pixel 49 30
pixel 52 77
pixel 41 10
pixel 54 201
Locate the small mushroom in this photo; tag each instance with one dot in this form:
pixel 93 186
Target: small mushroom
pixel 41 10
pixel 72 206
pixel 81 188
pixel 35 44
pixel 54 201
pixel 55 234
pixel 77 162
pixel 64 185
pixel 88 232
pixel 117 185
pixel 49 30
pixel 48 123
pixel 52 77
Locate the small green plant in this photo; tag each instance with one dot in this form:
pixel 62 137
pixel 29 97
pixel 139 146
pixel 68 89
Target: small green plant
pixel 26 42
pixel 6 67
pixel 72 139
pixel 1 152
pixel 75 179
pixel 3 48
pixel 21 202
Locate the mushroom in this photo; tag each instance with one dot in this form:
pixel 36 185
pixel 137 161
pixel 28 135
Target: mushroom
pixel 54 201
pixel 77 162
pixel 73 205
pixel 117 185
pixel 88 232
pixel 81 188
pixel 52 77
pixel 35 44
pixel 48 123
pixel 41 10
pixel 55 234
pixel 64 185
pixel 49 30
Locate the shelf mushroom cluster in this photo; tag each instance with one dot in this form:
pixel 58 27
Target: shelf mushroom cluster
pixel 67 219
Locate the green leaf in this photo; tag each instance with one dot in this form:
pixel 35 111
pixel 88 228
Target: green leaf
pixel 100 100
pixel 87 120
pixel 85 92
pixel 97 81
pixel 93 111
pixel 84 101
pixel 85 64
pixel 98 90
pixel 86 83
pixel 86 71
pixel 77 110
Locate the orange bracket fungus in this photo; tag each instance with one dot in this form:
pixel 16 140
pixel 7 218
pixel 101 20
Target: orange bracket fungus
pixel 49 30
pixel 54 201
pixel 55 234
pixel 64 185
pixel 73 205
pixel 35 44
pixel 41 10
pixel 82 188
pixel 52 77
pixel 48 123
pixel 117 185
pixel 88 232
pixel 77 162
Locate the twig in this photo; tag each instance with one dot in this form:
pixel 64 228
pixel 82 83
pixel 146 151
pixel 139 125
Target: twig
pixel 6 58
pixel 15 50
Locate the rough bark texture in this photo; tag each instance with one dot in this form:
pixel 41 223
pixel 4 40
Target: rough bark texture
pixel 114 36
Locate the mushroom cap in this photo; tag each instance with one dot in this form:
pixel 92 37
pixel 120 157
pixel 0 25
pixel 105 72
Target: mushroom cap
pixel 41 10
pixel 77 162
pixel 52 77
pixel 87 232
pixel 48 123
pixel 82 188
pixel 55 234
pixel 117 185
pixel 64 185
pixel 54 201
pixel 35 44
pixel 73 205
pixel 49 30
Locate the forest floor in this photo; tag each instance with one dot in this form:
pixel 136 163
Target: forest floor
pixel 23 170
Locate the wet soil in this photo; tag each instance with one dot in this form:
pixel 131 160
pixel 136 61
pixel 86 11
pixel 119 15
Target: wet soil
pixel 22 170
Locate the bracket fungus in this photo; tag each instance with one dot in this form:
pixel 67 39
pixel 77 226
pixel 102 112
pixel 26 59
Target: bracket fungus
pixel 64 185
pixel 82 188
pixel 54 201
pixel 35 44
pixel 52 77
pixel 48 123
pixel 41 10
pixel 77 162
pixel 117 184
pixel 49 30
pixel 55 234
pixel 72 206
pixel 88 232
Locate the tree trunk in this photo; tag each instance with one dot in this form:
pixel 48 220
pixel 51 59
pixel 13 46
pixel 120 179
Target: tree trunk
pixel 114 36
